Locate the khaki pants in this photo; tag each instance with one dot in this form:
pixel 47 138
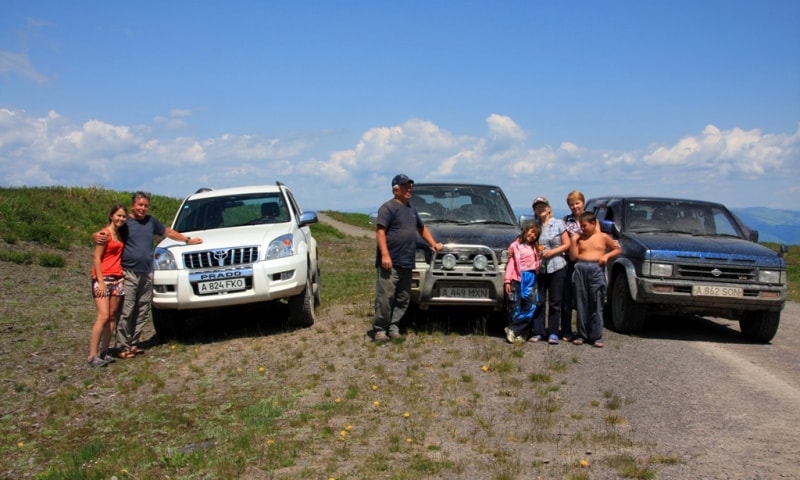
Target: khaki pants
pixel 135 308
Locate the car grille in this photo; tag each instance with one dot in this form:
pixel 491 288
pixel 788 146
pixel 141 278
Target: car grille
pixel 223 257
pixel 716 273
pixel 465 255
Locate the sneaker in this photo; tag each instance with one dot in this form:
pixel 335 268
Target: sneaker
pixel 107 357
pixel 553 339
pixel 97 362
pixel 395 335
pixel 510 335
pixel 380 336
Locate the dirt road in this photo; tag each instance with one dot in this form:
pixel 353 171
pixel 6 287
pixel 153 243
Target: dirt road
pixel 695 389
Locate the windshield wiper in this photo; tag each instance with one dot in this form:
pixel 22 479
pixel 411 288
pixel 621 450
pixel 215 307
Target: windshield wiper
pixel 724 235
pixel 492 222
pixel 444 220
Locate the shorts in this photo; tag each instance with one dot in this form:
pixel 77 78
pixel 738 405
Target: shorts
pixel 114 287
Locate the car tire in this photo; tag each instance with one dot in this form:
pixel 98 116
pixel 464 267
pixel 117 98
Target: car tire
pixel 169 324
pixel 301 306
pixel 760 326
pixel 627 315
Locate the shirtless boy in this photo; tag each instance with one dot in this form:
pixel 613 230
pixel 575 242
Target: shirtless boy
pixel 590 250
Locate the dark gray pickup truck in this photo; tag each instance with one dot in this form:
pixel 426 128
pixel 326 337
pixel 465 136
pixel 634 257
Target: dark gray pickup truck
pixel 689 257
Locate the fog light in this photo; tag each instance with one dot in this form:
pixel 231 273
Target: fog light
pixel 480 262
pixel 449 261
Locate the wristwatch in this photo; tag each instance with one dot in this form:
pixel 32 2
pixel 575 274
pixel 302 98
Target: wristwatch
pixel 187 240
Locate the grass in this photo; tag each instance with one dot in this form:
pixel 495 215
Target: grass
pixel 61 217
pixel 244 396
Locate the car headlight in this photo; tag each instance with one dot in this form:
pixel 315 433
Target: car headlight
pixel 769 276
pixel 164 260
pixel 280 247
pixel 448 261
pixel 657 269
pixel 480 262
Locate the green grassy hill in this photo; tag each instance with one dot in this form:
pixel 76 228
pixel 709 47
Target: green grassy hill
pixel 61 217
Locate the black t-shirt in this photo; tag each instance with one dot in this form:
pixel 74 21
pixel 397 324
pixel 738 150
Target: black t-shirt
pixel 402 223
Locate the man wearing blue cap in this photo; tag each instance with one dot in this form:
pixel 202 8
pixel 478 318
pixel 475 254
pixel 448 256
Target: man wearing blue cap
pixel 396 235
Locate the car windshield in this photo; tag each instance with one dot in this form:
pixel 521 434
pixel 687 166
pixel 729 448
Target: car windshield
pixel 462 204
pixel 679 217
pixel 231 211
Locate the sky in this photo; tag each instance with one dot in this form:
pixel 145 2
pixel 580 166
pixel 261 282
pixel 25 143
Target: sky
pixel 692 99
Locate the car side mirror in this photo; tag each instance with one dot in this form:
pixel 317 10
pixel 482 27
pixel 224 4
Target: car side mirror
pixel 525 220
pixel 307 218
pixel 753 236
pixel 609 227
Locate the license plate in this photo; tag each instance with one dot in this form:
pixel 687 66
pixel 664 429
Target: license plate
pixel 464 292
pixel 714 291
pixel 217 286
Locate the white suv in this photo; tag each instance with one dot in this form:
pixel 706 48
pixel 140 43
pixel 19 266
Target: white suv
pixel 257 247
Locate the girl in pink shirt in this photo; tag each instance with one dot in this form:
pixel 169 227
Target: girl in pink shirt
pixel 520 280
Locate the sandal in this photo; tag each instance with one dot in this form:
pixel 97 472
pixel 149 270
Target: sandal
pixel 598 344
pixel 577 341
pixel 536 338
pixel 126 354
pixel 136 351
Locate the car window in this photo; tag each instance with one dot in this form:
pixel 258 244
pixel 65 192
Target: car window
pixel 678 217
pixel 462 204
pixel 228 211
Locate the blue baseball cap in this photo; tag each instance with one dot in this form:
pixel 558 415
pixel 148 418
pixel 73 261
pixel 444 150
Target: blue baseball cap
pixel 401 180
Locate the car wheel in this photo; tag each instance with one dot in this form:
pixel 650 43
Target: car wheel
pixel 169 324
pixel 627 316
pixel 301 306
pixel 760 326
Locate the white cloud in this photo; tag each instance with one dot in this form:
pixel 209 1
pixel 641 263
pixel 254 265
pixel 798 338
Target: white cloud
pixel 502 127
pixel 20 64
pixel 714 164
pixel 730 151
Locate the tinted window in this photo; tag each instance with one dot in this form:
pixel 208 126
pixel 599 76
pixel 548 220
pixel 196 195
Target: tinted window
pixel 452 203
pixel 229 211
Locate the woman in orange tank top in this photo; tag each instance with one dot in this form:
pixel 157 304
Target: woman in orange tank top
pixel 107 287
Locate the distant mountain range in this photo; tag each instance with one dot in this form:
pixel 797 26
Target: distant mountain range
pixel 773 225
